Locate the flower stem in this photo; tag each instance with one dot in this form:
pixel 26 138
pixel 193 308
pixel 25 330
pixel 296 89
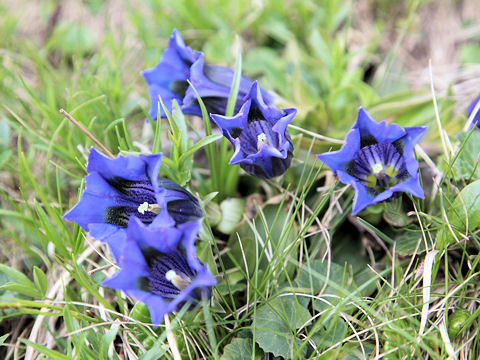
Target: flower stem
pixel 86 132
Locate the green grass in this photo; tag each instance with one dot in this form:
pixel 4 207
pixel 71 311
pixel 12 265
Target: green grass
pixel 298 276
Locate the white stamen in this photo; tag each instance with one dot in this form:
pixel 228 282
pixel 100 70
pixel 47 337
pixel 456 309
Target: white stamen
pixel 170 275
pixel 143 207
pixel 179 282
pixel 377 168
pixel 261 140
pixel 148 207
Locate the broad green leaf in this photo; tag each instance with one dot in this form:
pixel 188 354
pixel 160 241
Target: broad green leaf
pixel 466 208
pixel 407 242
pixel 205 255
pixel 224 289
pixel 271 228
pixel 314 275
pixel 141 313
pixel 329 332
pixel 275 325
pixel 394 214
pixel 240 349
pixel 232 213
pixel 40 280
pixel 107 339
pixel 16 275
pixel 468 161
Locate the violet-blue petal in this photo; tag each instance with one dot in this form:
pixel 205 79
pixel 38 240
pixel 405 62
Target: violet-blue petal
pixel 415 133
pixel 129 167
pixel 145 265
pixel 213 84
pixel 258 132
pixel 382 132
pixel 377 160
pixel 182 206
pixel 362 199
pixel 168 79
pixel 338 160
pixel 170 237
pixel 118 189
pixel 471 108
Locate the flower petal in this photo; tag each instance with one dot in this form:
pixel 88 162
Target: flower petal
pixel 380 131
pixel 415 133
pixel 363 198
pixel 213 84
pixel 258 132
pixel 340 159
pixel 168 79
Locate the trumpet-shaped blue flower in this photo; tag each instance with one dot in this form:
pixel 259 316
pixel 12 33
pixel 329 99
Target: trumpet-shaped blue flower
pixel 168 79
pixel 128 186
pixel 213 84
pixel 470 109
pixel 377 160
pixel 258 132
pixel 155 270
pixel 179 64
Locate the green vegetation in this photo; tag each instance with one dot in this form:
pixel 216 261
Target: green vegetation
pixel 297 275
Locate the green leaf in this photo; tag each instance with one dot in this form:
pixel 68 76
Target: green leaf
pixel 205 141
pixel 313 276
pixel 232 213
pixel 240 349
pixel 232 98
pixel 275 325
pixel 40 280
pixel 466 209
pixel 394 214
pixel 468 161
pixel 205 255
pixel 407 242
pixel 4 157
pixel 179 120
pixel 71 39
pixel 329 332
pixel 16 275
pixel 271 227
pixel 107 339
pixel 3 338
pixel 50 354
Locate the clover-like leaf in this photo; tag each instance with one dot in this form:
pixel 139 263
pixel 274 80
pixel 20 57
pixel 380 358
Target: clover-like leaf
pixel 275 325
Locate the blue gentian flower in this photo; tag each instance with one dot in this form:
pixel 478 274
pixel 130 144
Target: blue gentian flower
pixel 258 132
pixel 213 84
pixel 155 270
pixel 470 109
pixel 179 64
pixel 128 186
pixel 168 79
pixel 377 160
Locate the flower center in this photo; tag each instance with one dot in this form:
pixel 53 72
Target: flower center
pixel 148 207
pixel 261 140
pixel 257 134
pixel 379 166
pixel 169 274
pixel 132 196
pixel 178 281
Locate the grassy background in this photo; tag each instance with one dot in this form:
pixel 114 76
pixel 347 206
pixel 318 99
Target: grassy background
pixel 298 276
